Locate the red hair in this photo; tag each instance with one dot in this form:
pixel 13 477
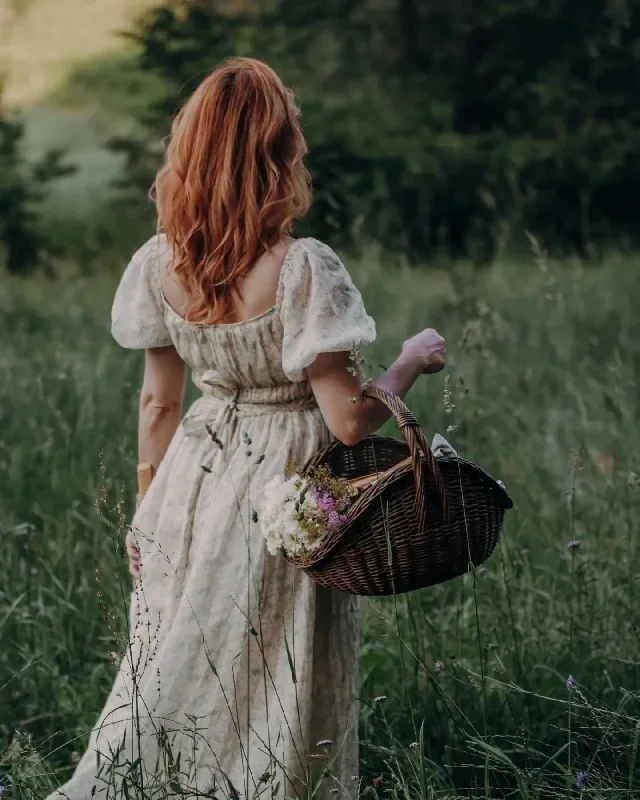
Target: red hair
pixel 233 181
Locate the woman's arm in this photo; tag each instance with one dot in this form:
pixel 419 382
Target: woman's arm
pixel 336 387
pixel 160 411
pixel 160 403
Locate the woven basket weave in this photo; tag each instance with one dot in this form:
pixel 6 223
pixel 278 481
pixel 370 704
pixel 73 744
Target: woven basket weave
pixel 416 520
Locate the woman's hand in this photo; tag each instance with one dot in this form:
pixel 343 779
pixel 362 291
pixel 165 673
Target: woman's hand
pixel 428 349
pixel 133 552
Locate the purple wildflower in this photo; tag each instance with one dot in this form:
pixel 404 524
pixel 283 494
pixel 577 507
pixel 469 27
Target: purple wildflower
pixel 482 571
pixel 324 743
pixel 324 500
pixel 335 520
pixel 581 778
pixel 380 698
pixel 570 683
pixel 2 791
pixel 574 544
pixel 438 667
pixel 414 745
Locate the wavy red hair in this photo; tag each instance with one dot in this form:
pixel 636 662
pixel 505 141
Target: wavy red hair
pixel 233 182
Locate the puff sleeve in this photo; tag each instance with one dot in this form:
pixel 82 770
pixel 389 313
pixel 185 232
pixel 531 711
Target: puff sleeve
pixel 321 309
pixel 137 314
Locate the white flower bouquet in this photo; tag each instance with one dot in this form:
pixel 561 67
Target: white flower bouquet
pixel 298 511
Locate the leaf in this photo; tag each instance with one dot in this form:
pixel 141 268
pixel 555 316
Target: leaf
pixel 554 759
pixel 134 765
pixel 211 664
pixel 11 609
pixel 503 758
pixel 235 795
pixel 292 666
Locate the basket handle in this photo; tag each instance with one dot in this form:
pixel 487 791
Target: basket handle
pixel 418 447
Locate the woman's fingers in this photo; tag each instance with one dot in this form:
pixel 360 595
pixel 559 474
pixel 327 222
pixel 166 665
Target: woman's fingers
pixel 134 567
pixel 130 544
pixel 133 554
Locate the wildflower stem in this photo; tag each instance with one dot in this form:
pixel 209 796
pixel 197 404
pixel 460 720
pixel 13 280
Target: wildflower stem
pixel 569 742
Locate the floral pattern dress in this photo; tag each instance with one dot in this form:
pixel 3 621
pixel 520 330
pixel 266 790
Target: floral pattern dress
pixel 237 663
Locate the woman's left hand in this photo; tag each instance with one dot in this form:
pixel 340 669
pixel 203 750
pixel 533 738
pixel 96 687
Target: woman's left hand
pixel 428 349
pixel 133 552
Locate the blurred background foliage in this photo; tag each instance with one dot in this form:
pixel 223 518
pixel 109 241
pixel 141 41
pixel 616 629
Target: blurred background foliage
pixel 441 130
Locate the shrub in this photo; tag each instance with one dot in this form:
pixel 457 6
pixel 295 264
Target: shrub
pixel 23 244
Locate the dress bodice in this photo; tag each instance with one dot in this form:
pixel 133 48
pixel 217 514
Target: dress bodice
pixel 318 309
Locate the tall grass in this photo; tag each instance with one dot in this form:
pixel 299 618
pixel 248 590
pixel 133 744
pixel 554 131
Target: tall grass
pixel 544 368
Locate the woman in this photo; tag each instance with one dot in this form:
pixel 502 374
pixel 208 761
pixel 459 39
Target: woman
pixel 237 664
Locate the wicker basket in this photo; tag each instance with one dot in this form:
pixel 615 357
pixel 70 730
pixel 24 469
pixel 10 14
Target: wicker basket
pixel 416 520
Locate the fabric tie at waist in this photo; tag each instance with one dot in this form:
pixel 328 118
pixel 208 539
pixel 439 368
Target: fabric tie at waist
pixel 234 404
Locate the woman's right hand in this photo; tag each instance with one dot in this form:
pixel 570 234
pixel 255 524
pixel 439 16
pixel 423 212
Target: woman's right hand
pixel 133 552
pixel 428 349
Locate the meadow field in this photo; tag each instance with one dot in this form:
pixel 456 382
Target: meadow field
pixel 544 364
pixel 520 680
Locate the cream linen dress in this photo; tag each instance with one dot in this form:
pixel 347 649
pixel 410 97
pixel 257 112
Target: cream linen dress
pixel 237 664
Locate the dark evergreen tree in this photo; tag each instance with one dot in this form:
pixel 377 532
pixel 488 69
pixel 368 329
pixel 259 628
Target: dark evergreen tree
pixel 23 245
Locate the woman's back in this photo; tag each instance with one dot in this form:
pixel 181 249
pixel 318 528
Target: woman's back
pixel 296 309
pixel 256 291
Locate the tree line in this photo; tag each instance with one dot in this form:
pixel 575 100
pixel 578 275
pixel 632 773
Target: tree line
pixel 440 128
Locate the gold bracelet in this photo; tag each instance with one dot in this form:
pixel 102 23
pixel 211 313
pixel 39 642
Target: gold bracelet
pixel 146 473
